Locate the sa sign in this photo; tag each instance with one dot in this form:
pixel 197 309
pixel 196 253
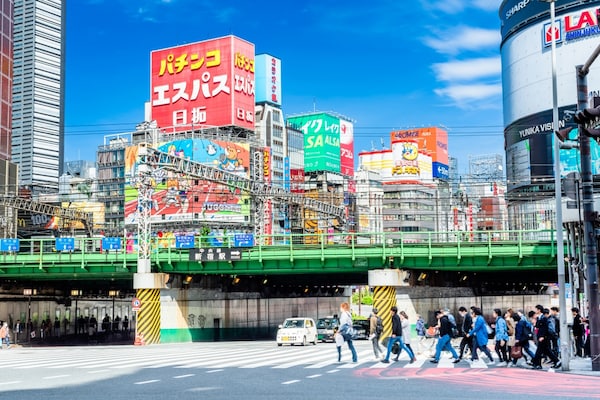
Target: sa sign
pixel 136 304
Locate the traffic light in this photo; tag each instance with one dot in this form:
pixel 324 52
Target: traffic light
pixel 587 115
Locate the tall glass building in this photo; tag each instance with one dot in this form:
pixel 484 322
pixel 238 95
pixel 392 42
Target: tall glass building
pixel 6 61
pixel 38 93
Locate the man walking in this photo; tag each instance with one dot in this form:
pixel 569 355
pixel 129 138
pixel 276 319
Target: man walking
pixel 543 337
pixel 375 329
pixel 445 329
pixel 465 327
pixel 397 338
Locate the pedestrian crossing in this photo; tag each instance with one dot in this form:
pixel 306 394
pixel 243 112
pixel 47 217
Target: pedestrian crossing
pixel 221 355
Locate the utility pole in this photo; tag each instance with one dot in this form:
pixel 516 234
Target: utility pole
pixel 589 216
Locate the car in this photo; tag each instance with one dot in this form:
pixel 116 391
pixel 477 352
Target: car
pixel 299 330
pixel 325 327
pixel 362 328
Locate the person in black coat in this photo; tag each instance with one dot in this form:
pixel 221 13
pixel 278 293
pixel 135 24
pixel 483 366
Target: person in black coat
pixel 543 337
pixel 577 331
pixel 465 327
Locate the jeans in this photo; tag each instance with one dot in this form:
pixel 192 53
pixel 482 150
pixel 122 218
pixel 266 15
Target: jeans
pixel 400 341
pixel 339 350
pixel 444 344
pixel 352 350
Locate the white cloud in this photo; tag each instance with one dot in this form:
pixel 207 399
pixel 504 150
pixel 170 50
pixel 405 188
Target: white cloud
pixel 487 5
pixel 463 38
pixel 468 69
pixel 464 94
pixel 458 6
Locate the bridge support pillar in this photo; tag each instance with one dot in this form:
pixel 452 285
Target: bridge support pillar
pixel 384 283
pixel 147 324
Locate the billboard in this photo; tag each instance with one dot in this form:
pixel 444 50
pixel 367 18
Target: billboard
pixel 204 83
pixel 321 141
pixel 177 197
pixel 346 148
pixel 268 204
pixel 268 79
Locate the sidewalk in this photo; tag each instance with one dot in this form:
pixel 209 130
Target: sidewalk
pixel 580 366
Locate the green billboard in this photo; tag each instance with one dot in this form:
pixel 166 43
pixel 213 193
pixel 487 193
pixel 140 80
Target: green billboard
pixel 321 141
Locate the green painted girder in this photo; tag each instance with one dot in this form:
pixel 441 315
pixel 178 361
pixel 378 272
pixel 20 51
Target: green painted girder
pixel 292 259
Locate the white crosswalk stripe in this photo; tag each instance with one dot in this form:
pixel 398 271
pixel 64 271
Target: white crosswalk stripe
pixel 210 356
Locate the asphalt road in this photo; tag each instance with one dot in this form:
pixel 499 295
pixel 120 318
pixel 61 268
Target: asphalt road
pixel 261 370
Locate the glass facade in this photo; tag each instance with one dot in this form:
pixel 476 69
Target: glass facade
pixel 38 93
pixel 6 67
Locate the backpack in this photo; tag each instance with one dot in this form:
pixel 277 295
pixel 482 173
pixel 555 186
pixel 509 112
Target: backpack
pixel 379 326
pixel 454 331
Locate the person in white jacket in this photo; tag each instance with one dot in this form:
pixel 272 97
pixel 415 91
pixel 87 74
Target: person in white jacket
pixel 406 334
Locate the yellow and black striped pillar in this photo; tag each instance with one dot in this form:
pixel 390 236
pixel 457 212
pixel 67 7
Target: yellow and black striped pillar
pixel 384 297
pixel 148 318
pixel 384 283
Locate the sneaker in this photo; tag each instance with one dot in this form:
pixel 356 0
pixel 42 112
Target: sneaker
pixel 434 361
pixel 456 360
pixel 537 367
pixel 557 365
pixel 385 361
pixel 412 360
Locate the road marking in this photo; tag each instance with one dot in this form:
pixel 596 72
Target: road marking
pixel 183 376
pixel 10 383
pixel 333 371
pixel 214 370
pixel 290 382
pixel 313 376
pixel 146 382
pixel 56 376
pixel 99 371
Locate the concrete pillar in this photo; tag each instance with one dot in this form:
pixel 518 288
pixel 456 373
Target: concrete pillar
pixel 384 283
pixel 147 322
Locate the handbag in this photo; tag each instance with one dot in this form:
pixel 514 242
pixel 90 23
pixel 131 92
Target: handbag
pixel 516 352
pixel 395 348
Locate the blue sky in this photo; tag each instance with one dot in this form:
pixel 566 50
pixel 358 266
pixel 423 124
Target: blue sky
pixel 387 64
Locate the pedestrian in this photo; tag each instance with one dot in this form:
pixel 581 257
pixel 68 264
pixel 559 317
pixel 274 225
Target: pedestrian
pixel 465 327
pixel 510 329
pixel 346 324
pixel 554 330
pixel 125 324
pixel 543 338
pixel 500 336
pixel 3 333
pixel 397 338
pixel 375 330
pixel 406 333
pixel 523 334
pixel 339 341
pixel 17 330
pixel 480 335
pixel 421 330
pixel 445 331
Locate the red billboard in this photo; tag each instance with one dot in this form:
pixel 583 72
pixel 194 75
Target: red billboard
pixel 346 148
pixel 204 83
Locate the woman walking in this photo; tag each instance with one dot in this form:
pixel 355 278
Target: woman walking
pixel 406 330
pixel 345 324
pixel 479 331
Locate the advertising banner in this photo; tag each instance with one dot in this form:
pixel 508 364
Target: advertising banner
pixel 204 83
pixel 346 148
pixel 268 79
pixel 321 141
pixel 268 206
pixel 177 197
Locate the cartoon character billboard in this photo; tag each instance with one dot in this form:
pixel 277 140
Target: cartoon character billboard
pixel 178 197
pixel 204 83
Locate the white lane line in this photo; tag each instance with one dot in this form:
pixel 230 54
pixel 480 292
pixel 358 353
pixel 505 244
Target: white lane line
pixel 146 382
pixel 290 382
pixel 56 376
pixel 313 376
pixel 10 383
pixel 183 376
pixel 214 370
pixel 333 371
pixel 99 371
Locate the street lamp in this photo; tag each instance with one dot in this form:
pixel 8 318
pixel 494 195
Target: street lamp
pixel 29 293
pixel 560 262
pixel 76 293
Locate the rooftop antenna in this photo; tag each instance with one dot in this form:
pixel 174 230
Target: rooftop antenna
pixel 382 143
pixel 373 146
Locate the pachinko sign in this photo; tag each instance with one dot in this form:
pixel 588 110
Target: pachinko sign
pixel 205 83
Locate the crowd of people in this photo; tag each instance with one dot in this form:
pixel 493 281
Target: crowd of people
pixel 533 337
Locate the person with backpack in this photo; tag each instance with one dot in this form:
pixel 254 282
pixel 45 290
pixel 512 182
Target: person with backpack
pixel 554 323
pixel 465 327
pixel 375 330
pixel 523 334
pixel 421 330
pixel 445 329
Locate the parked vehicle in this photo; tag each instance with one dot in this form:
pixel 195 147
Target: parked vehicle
pixel 325 327
pixel 298 330
pixel 362 327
